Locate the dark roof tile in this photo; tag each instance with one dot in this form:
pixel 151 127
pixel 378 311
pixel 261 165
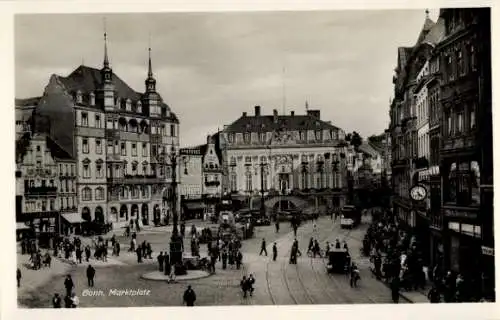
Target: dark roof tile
pixel 267 124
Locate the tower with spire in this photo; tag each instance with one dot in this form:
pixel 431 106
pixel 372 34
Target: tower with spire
pixel 151 97
pixel 108 88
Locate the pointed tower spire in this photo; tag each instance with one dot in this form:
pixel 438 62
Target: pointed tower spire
pixel 106 60
pixel 150 81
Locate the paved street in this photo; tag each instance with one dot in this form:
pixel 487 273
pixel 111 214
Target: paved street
pixel 277 282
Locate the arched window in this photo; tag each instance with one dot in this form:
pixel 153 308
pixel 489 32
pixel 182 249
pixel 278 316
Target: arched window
pixel 249 184
pixel 86 194
pixel 86 214
pixel 99 193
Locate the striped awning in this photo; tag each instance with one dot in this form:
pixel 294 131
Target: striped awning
pixel 21 226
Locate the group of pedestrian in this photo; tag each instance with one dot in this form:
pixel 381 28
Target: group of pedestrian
pixel 70 298
pixel 247 284
pixel 313 248
pixel 165 265
pixel 227 252
pixel 144 251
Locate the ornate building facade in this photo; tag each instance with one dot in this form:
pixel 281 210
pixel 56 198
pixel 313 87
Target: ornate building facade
pixel 120 139
pixel 47 176
pixel 283 153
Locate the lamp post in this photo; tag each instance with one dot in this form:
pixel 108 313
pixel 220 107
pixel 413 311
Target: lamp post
pixel 262 207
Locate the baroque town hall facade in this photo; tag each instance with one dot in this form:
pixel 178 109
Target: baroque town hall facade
pixel 120 140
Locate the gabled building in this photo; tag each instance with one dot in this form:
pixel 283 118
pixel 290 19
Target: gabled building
pixel 267 154
pixel 119 138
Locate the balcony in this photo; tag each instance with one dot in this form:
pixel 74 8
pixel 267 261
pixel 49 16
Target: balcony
pixel 41 191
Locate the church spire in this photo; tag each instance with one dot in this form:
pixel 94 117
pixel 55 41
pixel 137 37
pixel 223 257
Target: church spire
pixel 150 81
pixel 106 60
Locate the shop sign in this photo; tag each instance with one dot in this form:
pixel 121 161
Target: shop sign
pixel 488 251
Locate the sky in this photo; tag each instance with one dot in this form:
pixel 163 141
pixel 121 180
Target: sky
pixel 212 67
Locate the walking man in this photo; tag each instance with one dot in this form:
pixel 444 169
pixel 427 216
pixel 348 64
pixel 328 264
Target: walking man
pixel 90 275
pixel 277 225
pixel 189 297
pixel 263 247
pixel 160 261
pixel 251 282
pixel 68 284
pixel 18 277
pixel 275 251
pixel 395 289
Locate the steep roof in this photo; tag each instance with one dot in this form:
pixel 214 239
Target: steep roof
pixel 55 150
pixel 27 102
pixel 267 124
pixel 436 34
pixel 89 79
pixel 368 149
pixel 428 24
pixel 403 55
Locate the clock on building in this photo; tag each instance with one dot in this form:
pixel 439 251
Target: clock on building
pixel 418 192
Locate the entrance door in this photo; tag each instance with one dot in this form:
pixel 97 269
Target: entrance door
pixel 284 181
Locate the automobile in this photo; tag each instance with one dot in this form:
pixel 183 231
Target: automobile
pixel 339 261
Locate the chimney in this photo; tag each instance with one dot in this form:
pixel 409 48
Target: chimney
pixel 292 113
pixel 257 111
pixel 314 114
pixel 275 116
pixel 244 114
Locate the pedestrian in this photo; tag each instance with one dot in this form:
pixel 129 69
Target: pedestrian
pixel 263 247
pixel 56 301
pixel 189 297
pixel 160 261
pixel 434 296
pixel 172 273
pixel 68 302
pixel 275 251
pixel 74 300
pixel 18 277
pixel 224 259
pixel 87 253
pixel 69 285
pixel 166 261
pixel 251 282
pixel 117 245
pixel 277 225
pixel 244 286
pixel 395 289
pixel 239 259
pixel 138 251
pixel 78 255
pixel 90 275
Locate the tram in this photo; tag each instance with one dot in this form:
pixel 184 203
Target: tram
pixel 350 217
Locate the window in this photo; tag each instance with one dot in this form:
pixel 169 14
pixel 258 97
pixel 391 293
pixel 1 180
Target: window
pixel 246 137
pixel 249 185
pixel 97 121
pixel 144 191
pixel 248 159
pixel 472 120
pixel 98 146
pixel 134 149
pixel 85 119
pixel 145 169
pixel 99 172
pixel 460 122
pixel 263 137
pixel 304 179
pixel 302 135
pixel 449 68
pixel 230 137
pixel 109 124
pixel 144 149
pixel 233 182
pixel 134 192
pixel 319 135
pixel 86 170
pixel 473 59
pixel 123 149
pixel 99 193
pixel 460 63
pixel 38 164
pixel 85 145
pixel 134 168
pixel 264 182
pixel 449 127
pixel 172 130
pixel 86 194
pixel 110 148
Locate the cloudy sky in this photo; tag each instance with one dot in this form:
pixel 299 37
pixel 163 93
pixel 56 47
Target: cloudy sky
pixel 212 67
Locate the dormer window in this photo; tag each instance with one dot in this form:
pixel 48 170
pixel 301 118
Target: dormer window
pixel 139 107
pixel 79 97
pixel 92 99
pixel 128 105
pixel 230 137
pixel 246 137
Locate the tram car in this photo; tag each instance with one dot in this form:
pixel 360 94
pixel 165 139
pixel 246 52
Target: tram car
pixel 350 217
pixel 339 261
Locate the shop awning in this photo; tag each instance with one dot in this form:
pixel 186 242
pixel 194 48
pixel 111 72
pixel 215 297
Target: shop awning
pixel 194 205
pixel 21 226
pixel 73 217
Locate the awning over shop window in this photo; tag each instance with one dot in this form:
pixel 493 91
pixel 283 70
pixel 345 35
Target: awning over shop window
pixel 194 205
pixel 21 226
pixel 73 218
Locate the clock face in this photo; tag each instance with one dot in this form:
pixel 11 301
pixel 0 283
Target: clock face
pixel 418 193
